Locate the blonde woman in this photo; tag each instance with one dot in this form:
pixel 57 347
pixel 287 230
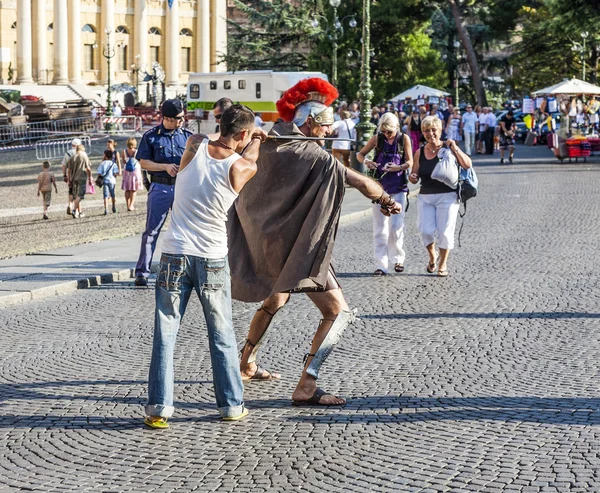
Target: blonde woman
pixel 392 162
pixel 437 204
pixel 132 178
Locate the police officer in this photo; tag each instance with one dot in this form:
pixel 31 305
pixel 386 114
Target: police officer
pixel 159 153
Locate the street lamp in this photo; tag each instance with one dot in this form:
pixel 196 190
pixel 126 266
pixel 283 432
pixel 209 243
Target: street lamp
pixel 365 128
pixel 135 69
pixel 580 47
pixel 337 31
pixel 456 47
pixel 108 52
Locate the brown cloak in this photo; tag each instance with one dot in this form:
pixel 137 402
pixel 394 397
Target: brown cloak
pixel 282 227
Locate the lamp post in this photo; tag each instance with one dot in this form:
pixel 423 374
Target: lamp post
pixel 108 52
pixel 135 69
pixel 365 128
pixel 337 31
pixel 456 47
pixel 580 47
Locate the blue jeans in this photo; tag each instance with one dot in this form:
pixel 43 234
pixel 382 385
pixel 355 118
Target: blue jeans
pixel 160 201
pixel 178 276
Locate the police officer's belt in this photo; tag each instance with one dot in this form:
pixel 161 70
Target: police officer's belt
pixel 163 180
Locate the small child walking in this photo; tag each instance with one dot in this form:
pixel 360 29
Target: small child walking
pixel 109 169
pixel 45 181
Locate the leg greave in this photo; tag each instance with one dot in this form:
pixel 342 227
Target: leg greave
pixel 342 321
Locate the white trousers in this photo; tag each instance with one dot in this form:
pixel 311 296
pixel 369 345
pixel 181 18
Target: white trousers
pixel 436 216
pixel 469 142
pixel 388 236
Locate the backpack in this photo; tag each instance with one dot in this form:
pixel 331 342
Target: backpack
pixel 131 164
pixel 467 189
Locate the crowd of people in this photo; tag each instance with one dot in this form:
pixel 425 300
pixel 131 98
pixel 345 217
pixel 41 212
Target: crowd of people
pixel 77 170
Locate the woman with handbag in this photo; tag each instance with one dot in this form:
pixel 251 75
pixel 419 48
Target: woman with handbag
pixel 344 129
pixel 393 159
pixel 437 204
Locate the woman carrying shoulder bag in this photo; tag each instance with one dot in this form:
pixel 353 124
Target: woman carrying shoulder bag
pixel 390 167
pixel 437 204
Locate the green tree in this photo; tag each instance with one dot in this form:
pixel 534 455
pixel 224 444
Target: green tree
pixel 276 35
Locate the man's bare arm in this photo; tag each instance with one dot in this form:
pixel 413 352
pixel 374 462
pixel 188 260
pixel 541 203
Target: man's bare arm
pixel 191 148
pixel 372 190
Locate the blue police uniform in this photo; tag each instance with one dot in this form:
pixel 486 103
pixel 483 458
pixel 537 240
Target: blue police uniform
pixel 160 146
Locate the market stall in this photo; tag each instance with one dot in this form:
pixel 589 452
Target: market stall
pixel 421 95
pixel 576 101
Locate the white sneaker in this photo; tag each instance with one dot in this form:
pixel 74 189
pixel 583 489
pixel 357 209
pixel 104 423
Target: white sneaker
pixel 75 214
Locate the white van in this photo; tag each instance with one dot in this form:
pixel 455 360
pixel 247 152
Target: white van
pixel 257 89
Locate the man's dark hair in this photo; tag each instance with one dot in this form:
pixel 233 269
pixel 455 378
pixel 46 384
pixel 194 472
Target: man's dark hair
pixel 510 113
pixel 108 154
pixel 235 119
pixel 223 104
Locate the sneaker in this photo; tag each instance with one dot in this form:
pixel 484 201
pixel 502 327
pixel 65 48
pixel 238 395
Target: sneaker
pixel 75 214
pixel 105 212
pixel 114 209
pixel 45 216
pixel 141 281
pixel 236 418
pixel 81 214
pixel 510 159
pixel 501 160
pixel 156 422
pixel 68 210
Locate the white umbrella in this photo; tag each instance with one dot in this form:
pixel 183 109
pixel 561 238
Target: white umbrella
pixel 420 91
pixel 570 86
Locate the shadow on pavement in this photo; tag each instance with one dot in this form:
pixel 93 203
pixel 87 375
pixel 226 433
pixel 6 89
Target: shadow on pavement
pixel 515 315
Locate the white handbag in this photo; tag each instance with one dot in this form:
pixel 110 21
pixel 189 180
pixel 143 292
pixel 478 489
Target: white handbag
pixel 446 170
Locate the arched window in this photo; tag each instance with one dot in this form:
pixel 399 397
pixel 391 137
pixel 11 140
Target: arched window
pixel 51 26
pixel 88 28
pixel 14 25
pixel 154 30
pixel 185 32
pixel 122 30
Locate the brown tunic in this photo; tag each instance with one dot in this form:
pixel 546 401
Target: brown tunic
pixel 282 227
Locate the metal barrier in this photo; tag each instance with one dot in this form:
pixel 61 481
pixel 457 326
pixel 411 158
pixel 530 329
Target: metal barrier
pixel 27 133
pixel 119 124
pixel 56 149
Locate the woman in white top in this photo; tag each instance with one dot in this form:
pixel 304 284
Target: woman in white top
pixel 345 130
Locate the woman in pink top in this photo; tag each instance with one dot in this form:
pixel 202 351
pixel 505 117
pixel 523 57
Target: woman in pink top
pixel 132 173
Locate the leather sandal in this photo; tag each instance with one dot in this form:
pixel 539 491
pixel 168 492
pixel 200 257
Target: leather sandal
pixel 399 268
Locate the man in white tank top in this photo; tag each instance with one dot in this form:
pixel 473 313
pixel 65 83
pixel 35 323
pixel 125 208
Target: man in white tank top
pixel 211 175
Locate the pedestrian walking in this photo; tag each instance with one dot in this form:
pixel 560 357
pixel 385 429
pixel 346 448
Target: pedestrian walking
pixel 108 169
pixel 437 204
pixel 344 129
pixel 68 155
pixel 111 145
pixel 160 153
pixel 414 127
pixel 469 128
pixel 46 180
pixel 391 165
pixel 483 125
pixel 507 136
pixel 453 125
pixel 490 131
pixel 282 231
pixel 132 173
pixel 79 174
pixel 211 175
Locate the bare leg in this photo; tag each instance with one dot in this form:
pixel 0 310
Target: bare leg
pixel 331 304
pixel 132 199
pixel 259 324
pixel 443 259
pixel 431 251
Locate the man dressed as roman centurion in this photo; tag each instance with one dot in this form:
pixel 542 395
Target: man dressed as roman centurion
pixel 282 232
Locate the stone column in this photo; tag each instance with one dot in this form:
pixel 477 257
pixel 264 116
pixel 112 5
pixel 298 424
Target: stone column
pixel 40 53
pixel 107 21
pixel 203 36
pixel 61 43
pixel 218 31
pixel 75 41
pixel 140 40
pixel 172 68
pixel 24 44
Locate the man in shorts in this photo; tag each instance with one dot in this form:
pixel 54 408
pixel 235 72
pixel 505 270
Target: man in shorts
pixel 507 136
pixel 79 174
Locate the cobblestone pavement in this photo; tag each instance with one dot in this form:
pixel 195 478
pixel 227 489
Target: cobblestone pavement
pixel 21 225
pixel 484 381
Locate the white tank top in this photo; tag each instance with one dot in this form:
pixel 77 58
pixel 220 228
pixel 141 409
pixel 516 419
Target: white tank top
pixel 203 195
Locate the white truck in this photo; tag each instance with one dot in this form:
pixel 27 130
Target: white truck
pixel 257 89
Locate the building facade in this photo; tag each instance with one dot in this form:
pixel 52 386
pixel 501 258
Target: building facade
pixel 69 41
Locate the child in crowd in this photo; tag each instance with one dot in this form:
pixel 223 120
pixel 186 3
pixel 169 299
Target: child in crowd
pixel 45 181
pixel 109 170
